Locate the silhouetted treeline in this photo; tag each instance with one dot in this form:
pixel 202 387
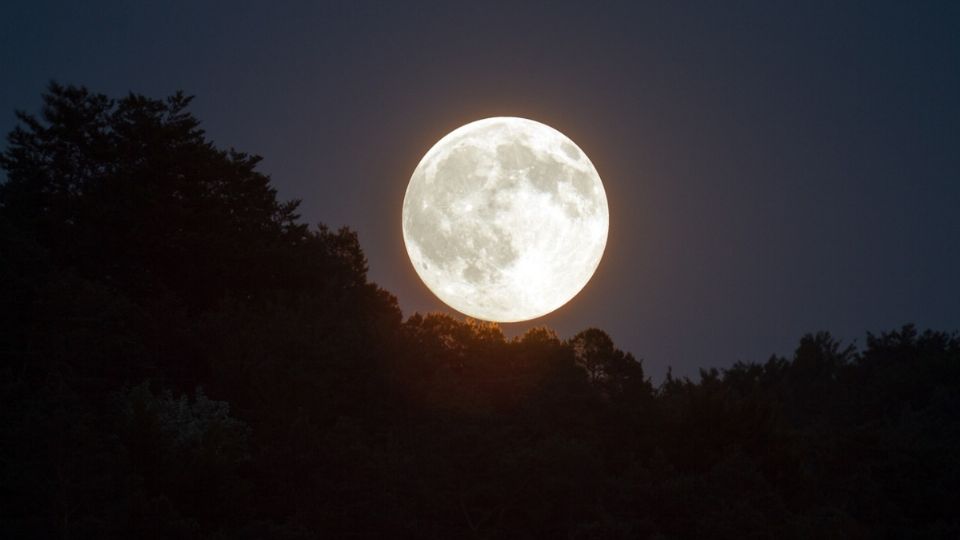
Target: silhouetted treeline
pixel 183 358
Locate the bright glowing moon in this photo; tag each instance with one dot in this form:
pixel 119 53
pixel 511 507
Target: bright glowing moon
pixel 505 219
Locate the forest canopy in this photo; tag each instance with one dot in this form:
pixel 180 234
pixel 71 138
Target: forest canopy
pixel 182 357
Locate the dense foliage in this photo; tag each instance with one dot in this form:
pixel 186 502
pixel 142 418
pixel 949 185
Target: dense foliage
pixel 181 358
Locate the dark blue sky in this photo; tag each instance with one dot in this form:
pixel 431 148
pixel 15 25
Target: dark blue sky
pixel 773 168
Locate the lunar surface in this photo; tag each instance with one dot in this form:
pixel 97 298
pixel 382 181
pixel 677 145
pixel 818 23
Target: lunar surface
pixel 505 219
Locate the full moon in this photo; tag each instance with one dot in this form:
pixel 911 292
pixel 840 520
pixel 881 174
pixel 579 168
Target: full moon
pixel 505 219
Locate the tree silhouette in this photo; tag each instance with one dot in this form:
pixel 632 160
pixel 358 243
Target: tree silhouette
pixel 181 357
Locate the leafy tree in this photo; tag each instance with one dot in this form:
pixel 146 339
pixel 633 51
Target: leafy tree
pixel 616 372
pixel 132 249
pixel 186 454
pixel 128 191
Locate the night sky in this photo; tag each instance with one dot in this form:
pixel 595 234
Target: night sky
pixel 772 169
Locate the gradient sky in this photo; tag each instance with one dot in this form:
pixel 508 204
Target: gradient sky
pixel 772 168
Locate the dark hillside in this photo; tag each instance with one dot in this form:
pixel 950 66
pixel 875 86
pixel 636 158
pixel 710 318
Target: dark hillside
pixel 181 357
